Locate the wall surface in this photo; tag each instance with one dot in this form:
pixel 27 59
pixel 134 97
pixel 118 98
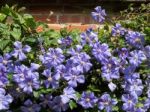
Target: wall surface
pixel 71 11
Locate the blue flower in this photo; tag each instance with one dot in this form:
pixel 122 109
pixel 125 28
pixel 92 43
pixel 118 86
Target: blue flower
pixel 136 57
pixel 68 93
pixel 5 100
pixel 101 51
pixel 31 81
pixel 110 69
pixel 105 102
pixel 135 39
pixel 73 76
pixel 89 37
pixel 20 50
pixel 99 15
pixel 118 30
pixel 123 53
pixel 130 78
pixel 19 73
pixel 34 66
pixel 26 78
pixel 87 100
pixel 51 80
pixel 46 100
pixel 58 105
pixel 3 76
pixel 82 62
pixel 30 107
pixel 60 71
pixel 135 88
pixel 129 102
pixel 67 41
pixel 5 60
pixel 76 51
pixel 53 57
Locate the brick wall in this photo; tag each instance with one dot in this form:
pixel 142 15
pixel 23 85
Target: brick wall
pixel 70 11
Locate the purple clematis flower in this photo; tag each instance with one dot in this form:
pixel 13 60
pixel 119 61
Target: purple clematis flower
pixel 73 76
pixel 110 69
pixel 5 60
pixel 53 57
pixel 30 107
pixel 76 51
pixel 82 62
pixel 129 102
pixel 68 93
pixel 3 76
pixel 99 15
pixel 51 80
pixel 58 105
pixel 101 51
pixel 135 39
pixel 89 37
pixel 46 100
pixel 60 71
pixel 67 41
pixel 136 57
pixel 105 102
pixel 135 88
pixel 123 53
pixel 118 30
pixel 79 60
pixel 19 73
pixel 27 80
pixel 87 100
pixel 5 100
pixel 20 50
pixel 34 66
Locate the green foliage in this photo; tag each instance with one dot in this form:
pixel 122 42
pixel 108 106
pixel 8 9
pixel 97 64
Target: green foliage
pixel 136 18
pixel 17 26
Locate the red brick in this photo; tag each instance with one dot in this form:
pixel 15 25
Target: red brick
pixel 51 19
pixel 75 19
pixel 63 18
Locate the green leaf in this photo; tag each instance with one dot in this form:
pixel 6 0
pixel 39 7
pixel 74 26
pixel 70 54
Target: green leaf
pixel 36 94
pixel 2 17
pixel 27 16
pixel 4 43
pixel 29 21
pixel 16 33
pixel 115 108
pixel 72 105
pixel 31 40
pixel 6 9
pixel 45 91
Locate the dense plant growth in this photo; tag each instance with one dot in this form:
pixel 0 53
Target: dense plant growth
pixel 107 69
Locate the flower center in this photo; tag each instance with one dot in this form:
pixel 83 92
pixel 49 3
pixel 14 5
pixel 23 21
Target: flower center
pixel 129 101
pixel 49 78
pixel 55 57
pixel 106 103
pixel 5 62
pixel 88 99
pixel 137 40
